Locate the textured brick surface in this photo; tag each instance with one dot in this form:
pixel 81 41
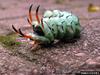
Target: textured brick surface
pixel 62 58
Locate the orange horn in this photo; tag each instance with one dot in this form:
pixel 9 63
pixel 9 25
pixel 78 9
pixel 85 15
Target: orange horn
pixel 20 32
pixel 30 14
pixel 26 36
pixel 37 17
pixel 29 21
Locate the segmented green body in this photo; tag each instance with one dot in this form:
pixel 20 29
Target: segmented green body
pixel 54 24
pixel 60 25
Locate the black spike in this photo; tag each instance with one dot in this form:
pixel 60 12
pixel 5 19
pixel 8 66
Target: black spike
pixel 21 32
pixel 28 21
pixel 30 7
pixel 37 8
pixel 14 29
pixel 42 23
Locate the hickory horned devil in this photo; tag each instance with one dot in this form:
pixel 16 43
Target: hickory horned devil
pixel 54 24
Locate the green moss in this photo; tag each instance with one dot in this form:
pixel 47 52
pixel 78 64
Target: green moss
pixel 9 41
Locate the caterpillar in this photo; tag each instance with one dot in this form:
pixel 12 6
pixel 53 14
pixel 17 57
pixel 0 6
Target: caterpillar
pixel 55 24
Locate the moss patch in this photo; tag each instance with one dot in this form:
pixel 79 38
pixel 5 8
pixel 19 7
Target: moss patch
pixel 9 41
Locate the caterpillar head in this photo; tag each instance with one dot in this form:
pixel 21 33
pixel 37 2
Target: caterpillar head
pixel 37 27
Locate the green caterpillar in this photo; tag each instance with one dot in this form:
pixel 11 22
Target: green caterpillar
pixel 54 24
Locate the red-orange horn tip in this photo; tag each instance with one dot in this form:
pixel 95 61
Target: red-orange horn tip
pixel 37 17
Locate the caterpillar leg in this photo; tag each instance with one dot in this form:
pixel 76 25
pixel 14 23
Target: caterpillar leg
pixel 34 46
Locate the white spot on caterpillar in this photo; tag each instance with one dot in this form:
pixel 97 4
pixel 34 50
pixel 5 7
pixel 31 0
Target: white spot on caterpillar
pixel 35 23
pixel 48 13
